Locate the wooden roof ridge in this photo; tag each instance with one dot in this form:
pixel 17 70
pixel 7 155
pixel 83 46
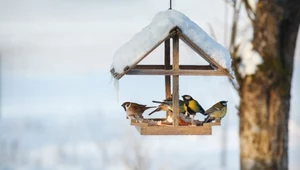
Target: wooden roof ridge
pixel 202 53
pixel 176 30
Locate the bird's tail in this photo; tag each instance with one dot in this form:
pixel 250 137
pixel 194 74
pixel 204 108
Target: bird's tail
pixel 149 107
pixel 208 119
pixel 202 111
pixel 159 102
pixel 156 110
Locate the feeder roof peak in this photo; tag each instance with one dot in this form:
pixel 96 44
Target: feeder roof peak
pixel 157 31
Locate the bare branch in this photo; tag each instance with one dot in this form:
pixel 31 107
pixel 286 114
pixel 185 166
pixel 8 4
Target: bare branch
pixel 233 47
pixel 236 13
pixel 250 11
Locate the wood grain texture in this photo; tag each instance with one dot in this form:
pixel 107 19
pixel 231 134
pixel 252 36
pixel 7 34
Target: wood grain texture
pixel 167 67
pixel 171 130
pixel 177 72
pixel 156 127
pixel 175 80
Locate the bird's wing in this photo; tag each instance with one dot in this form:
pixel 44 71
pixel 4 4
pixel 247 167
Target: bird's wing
pixel 138 107
pixel 201 110
pixel 212 109
pixel 156 110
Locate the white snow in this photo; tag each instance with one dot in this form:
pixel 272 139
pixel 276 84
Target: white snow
pixel 250 59
pixel 132 51
pixel 252 4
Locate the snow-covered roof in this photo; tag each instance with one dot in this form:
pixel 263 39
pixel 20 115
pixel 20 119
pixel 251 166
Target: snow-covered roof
pixel 159 28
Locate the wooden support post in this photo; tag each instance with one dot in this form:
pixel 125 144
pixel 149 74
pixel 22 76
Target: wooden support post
pixel 175 80
pixel 167 67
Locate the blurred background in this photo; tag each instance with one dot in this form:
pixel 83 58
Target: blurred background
pixel 61 110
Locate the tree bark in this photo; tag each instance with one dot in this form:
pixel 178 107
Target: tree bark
pixel 265 96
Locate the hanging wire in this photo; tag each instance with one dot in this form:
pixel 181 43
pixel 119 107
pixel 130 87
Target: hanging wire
pixel 170 4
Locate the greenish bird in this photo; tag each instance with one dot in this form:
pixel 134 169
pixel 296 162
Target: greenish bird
pixel 166 105
pixel 217 111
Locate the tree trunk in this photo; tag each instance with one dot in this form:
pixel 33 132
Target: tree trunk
pixel 265 96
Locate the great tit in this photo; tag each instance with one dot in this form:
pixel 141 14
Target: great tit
pixel 192 107
pixel 218 110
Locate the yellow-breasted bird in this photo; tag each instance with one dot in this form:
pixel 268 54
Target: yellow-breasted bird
pixel 134 109
pixel 218 110
pixel 166 105
pixel 192 107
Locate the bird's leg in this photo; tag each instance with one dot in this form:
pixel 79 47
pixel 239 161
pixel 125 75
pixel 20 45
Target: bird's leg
pixel 187 114
pixel 192 120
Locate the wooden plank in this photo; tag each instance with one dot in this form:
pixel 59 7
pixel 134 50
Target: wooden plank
pixel 175 80
pixel 179 72
pixel 145 129
pixel 119 75
pixel 171 130
pixel 167 67
pixel 202 53
pixel 181 67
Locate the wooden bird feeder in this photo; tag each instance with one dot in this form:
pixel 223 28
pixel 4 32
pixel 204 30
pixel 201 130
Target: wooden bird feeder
pixel 179 126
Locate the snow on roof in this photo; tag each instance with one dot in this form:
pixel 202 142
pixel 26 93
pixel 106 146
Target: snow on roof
pixel 158 30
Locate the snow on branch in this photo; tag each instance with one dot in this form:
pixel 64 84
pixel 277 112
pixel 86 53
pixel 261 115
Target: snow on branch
pixel 250 59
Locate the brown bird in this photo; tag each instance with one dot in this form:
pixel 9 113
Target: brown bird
pixel 134 109
pixel 162 106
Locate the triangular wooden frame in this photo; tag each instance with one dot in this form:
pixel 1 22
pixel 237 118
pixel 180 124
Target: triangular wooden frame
pixel 213 69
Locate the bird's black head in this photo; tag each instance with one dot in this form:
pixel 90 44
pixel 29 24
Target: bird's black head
pixel 187 97
pixel 125 105
pixel 224 103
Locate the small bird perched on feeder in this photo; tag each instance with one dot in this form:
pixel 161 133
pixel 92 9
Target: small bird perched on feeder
pixel 166 105
pixel 192 107
pixel 136 110
pixel 217 111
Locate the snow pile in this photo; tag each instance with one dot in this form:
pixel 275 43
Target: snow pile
pixel 252 4
pixel 131 52
pixel 250 59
